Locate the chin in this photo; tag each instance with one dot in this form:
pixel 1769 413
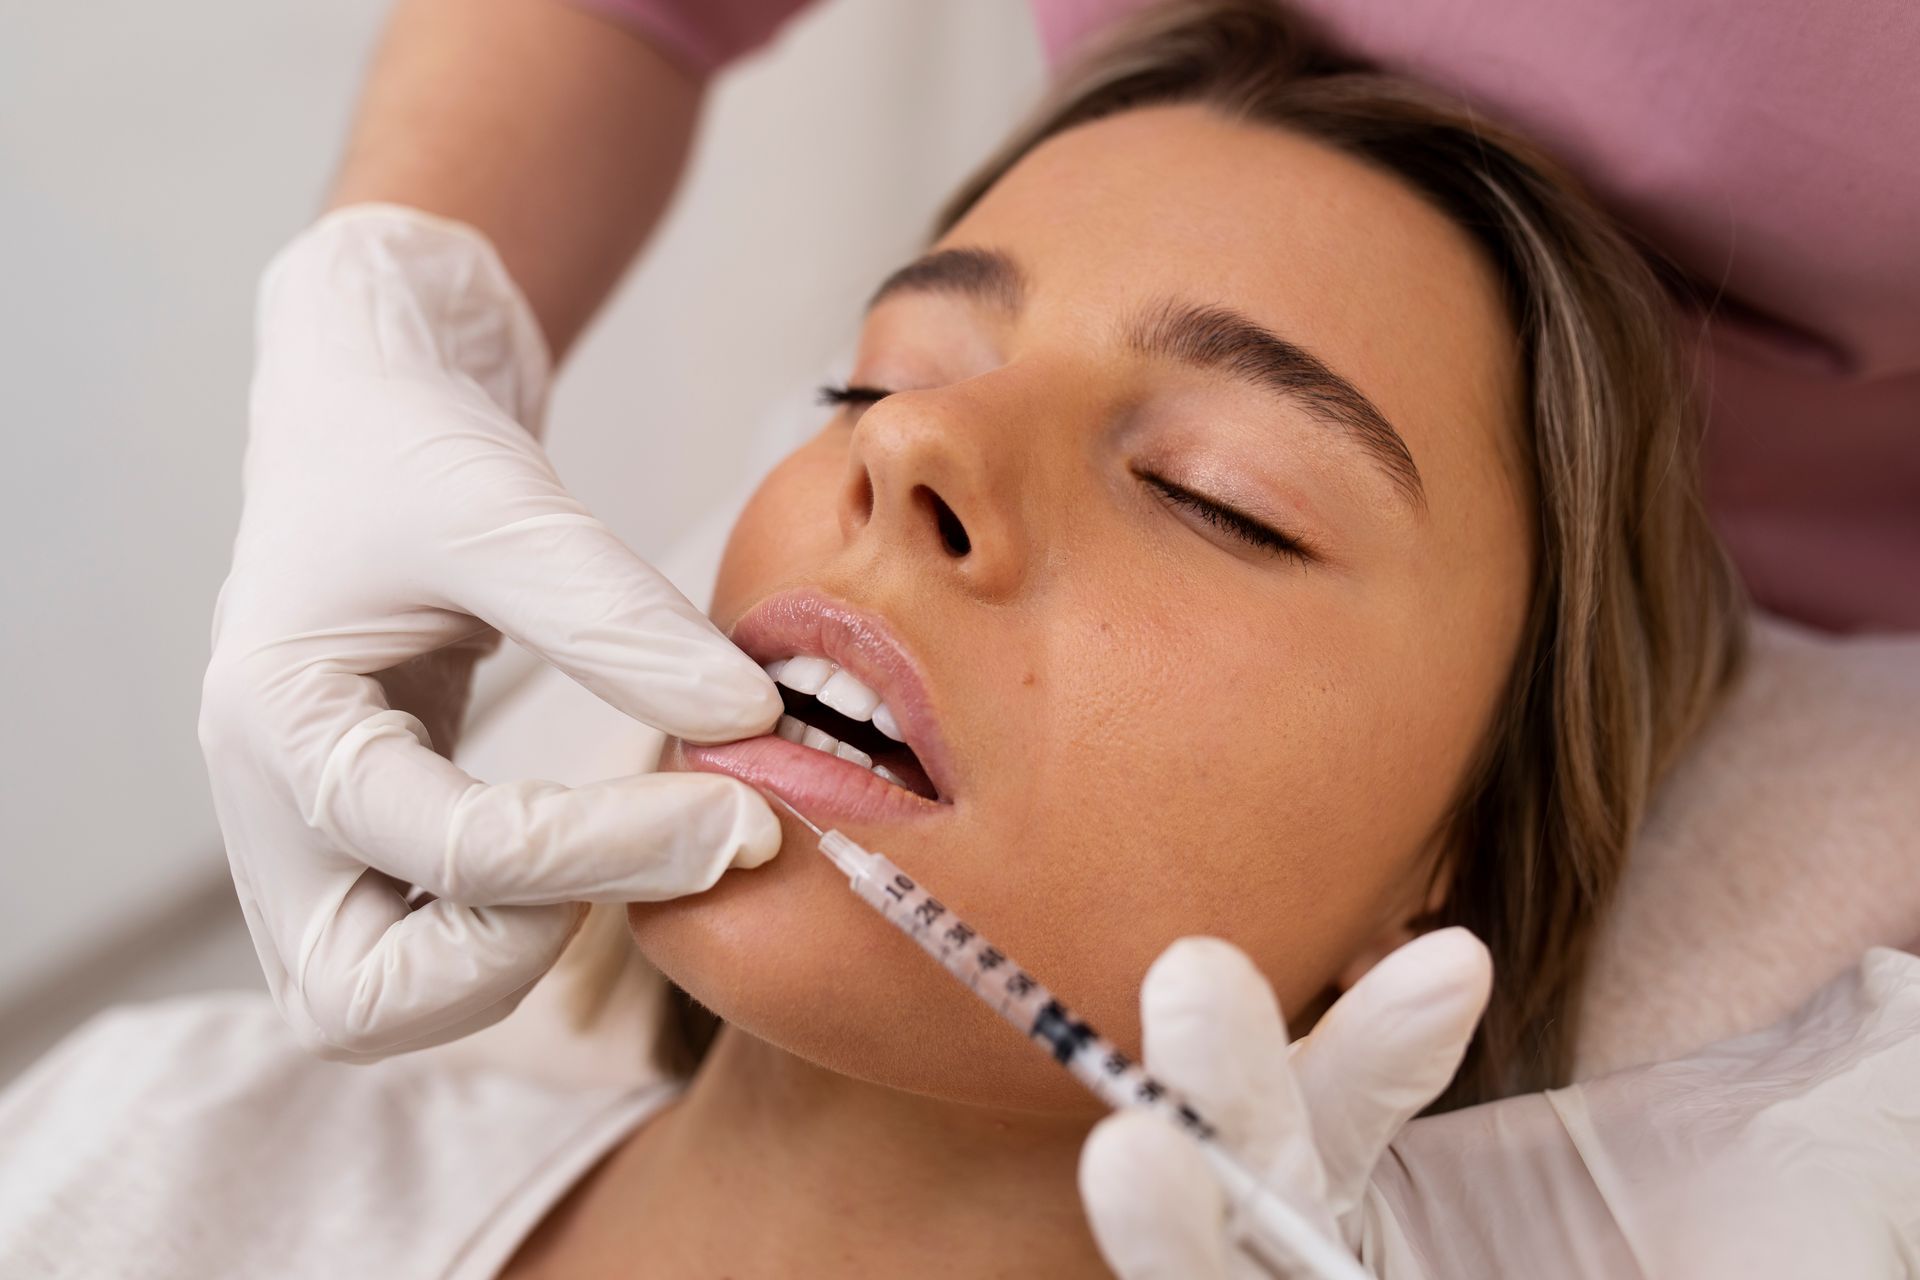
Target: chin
pixel 787 954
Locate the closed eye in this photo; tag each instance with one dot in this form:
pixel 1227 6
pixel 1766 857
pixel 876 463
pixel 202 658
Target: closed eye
pixel 851 393
pixel 1224 518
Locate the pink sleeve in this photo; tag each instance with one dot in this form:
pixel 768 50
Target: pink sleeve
pixel 1064 24
pixel 700 35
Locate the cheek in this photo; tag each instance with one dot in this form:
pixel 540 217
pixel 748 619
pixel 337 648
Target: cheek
pixel 1200 774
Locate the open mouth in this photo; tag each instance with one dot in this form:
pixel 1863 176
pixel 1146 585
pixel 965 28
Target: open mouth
pixel 859 742
pixel 829 710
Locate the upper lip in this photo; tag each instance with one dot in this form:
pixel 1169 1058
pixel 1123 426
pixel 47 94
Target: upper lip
pixel 812 622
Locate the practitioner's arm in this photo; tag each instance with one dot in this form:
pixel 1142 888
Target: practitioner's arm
pixel 399 511
pixel 558 134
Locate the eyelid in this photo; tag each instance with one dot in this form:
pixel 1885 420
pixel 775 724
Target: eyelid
pixel 1235 523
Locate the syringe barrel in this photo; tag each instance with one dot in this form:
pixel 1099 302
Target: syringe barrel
pixel 1013 993
pixel 1265 1226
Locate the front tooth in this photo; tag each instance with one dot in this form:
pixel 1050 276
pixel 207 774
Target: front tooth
pixel 883 721
pixel 848 696
pixel 847 751
pixel 819 740
pixel 774 668
pixel 804 674
pixel 790 729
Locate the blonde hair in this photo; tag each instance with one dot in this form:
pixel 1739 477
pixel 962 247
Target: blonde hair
pixel 1635 622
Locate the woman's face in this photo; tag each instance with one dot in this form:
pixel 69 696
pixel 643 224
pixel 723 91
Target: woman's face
pixel 1195 503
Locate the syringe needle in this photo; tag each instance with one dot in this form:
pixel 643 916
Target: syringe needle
pixel 781 801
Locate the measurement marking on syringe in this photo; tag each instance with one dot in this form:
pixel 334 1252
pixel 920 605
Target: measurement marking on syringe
pixel 1277 1236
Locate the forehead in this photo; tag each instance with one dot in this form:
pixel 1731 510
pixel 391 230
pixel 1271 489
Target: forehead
pixel 1317 245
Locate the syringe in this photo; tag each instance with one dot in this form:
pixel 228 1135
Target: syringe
pixel 1265 1226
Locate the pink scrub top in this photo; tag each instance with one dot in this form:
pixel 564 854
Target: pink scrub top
pixel 1770 149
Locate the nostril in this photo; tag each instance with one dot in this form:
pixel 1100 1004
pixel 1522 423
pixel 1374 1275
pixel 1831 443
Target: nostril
pixel 953 534
pixel 862 496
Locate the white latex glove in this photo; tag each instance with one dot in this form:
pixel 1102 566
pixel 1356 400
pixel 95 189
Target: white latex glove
pixel 1788 1153
pixel 398 510
pixel 1312 1119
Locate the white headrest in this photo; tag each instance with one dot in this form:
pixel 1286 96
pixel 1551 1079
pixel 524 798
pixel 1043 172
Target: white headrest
pixel 1784 845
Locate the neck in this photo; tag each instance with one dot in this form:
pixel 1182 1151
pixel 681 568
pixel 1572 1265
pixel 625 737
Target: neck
pixel 772 1165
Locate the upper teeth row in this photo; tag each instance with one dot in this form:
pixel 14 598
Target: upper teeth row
pixel 837 689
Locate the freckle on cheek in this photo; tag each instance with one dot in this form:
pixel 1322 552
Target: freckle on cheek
pixel 1027 678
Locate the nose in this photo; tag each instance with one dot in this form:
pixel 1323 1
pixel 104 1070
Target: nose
pixel 929 475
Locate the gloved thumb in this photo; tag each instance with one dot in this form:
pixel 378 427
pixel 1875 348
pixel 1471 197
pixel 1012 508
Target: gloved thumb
pixel 1386 1049
pixel 1212 1029
pixel 1156 1211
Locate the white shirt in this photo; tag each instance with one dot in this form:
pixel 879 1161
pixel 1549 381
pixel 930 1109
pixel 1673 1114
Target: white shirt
pixel 195 1138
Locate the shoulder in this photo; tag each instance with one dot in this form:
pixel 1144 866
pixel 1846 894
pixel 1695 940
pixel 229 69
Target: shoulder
pixel 128 1049
pixel 196 1137
pixel 188 1055
pixel 115 1105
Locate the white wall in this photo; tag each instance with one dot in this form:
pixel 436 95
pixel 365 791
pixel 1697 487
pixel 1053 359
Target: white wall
pixel 151 158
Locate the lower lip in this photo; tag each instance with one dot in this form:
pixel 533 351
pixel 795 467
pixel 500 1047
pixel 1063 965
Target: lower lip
pixel 825 788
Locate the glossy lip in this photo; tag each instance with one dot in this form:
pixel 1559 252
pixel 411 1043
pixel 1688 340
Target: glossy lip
pixel 811 622
pixel 825 788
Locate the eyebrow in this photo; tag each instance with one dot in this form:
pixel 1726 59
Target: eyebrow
pixel 986 275
pixel 1223 339
pixel 1207 337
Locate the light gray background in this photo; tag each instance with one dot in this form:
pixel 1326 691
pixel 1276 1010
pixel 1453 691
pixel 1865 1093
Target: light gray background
pixel 151 158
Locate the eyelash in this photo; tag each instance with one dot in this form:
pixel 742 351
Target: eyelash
pixel 851 393
pixel 1223 518
pixel 1227 520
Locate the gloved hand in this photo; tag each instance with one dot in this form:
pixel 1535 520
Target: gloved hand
pixel 1791 1152
pixel 398 509
pixel 1313 1119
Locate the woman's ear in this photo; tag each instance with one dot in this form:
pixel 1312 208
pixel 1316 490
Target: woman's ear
pixel 1416 918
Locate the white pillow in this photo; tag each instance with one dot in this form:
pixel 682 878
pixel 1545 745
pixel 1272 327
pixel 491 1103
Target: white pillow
pixel 1785 843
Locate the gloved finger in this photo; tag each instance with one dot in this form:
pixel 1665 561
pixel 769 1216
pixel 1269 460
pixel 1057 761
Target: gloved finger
pixel 1156 1211
pixel 1386 1049
pixel 561 584
pixel 434 687
pixel 1213 1030
pixel 386 798
pixel 380 979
